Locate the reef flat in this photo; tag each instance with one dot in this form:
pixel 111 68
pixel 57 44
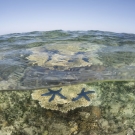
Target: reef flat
pixel 111 112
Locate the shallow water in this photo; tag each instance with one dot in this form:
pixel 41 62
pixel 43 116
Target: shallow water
pixel 55 58
pixel 103 62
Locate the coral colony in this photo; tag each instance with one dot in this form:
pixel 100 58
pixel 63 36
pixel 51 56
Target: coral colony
pixel 67 98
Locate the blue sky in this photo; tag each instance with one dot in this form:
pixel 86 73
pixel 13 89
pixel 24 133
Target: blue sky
pixel 42 15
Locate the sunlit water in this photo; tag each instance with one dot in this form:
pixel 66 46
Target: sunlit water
pixel 103 62
pixel 41 59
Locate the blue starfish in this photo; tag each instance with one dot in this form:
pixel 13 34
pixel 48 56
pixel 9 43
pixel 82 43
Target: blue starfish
pixel 53 93
pixel 83 94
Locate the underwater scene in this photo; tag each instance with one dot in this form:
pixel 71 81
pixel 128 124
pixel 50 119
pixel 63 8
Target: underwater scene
pixel 67 83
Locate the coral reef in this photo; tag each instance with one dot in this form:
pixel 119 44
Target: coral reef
pixel 112 114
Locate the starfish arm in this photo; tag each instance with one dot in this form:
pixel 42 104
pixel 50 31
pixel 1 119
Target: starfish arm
pixel 89 92
pixel 50 90
pixel 63 97
pixel 52 98
pixel 74 99
pixel 86 97
pixel 59 90
pixel 46 94
pixel 83 90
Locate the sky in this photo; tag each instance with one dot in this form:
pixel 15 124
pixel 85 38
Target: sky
pixel 17 16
